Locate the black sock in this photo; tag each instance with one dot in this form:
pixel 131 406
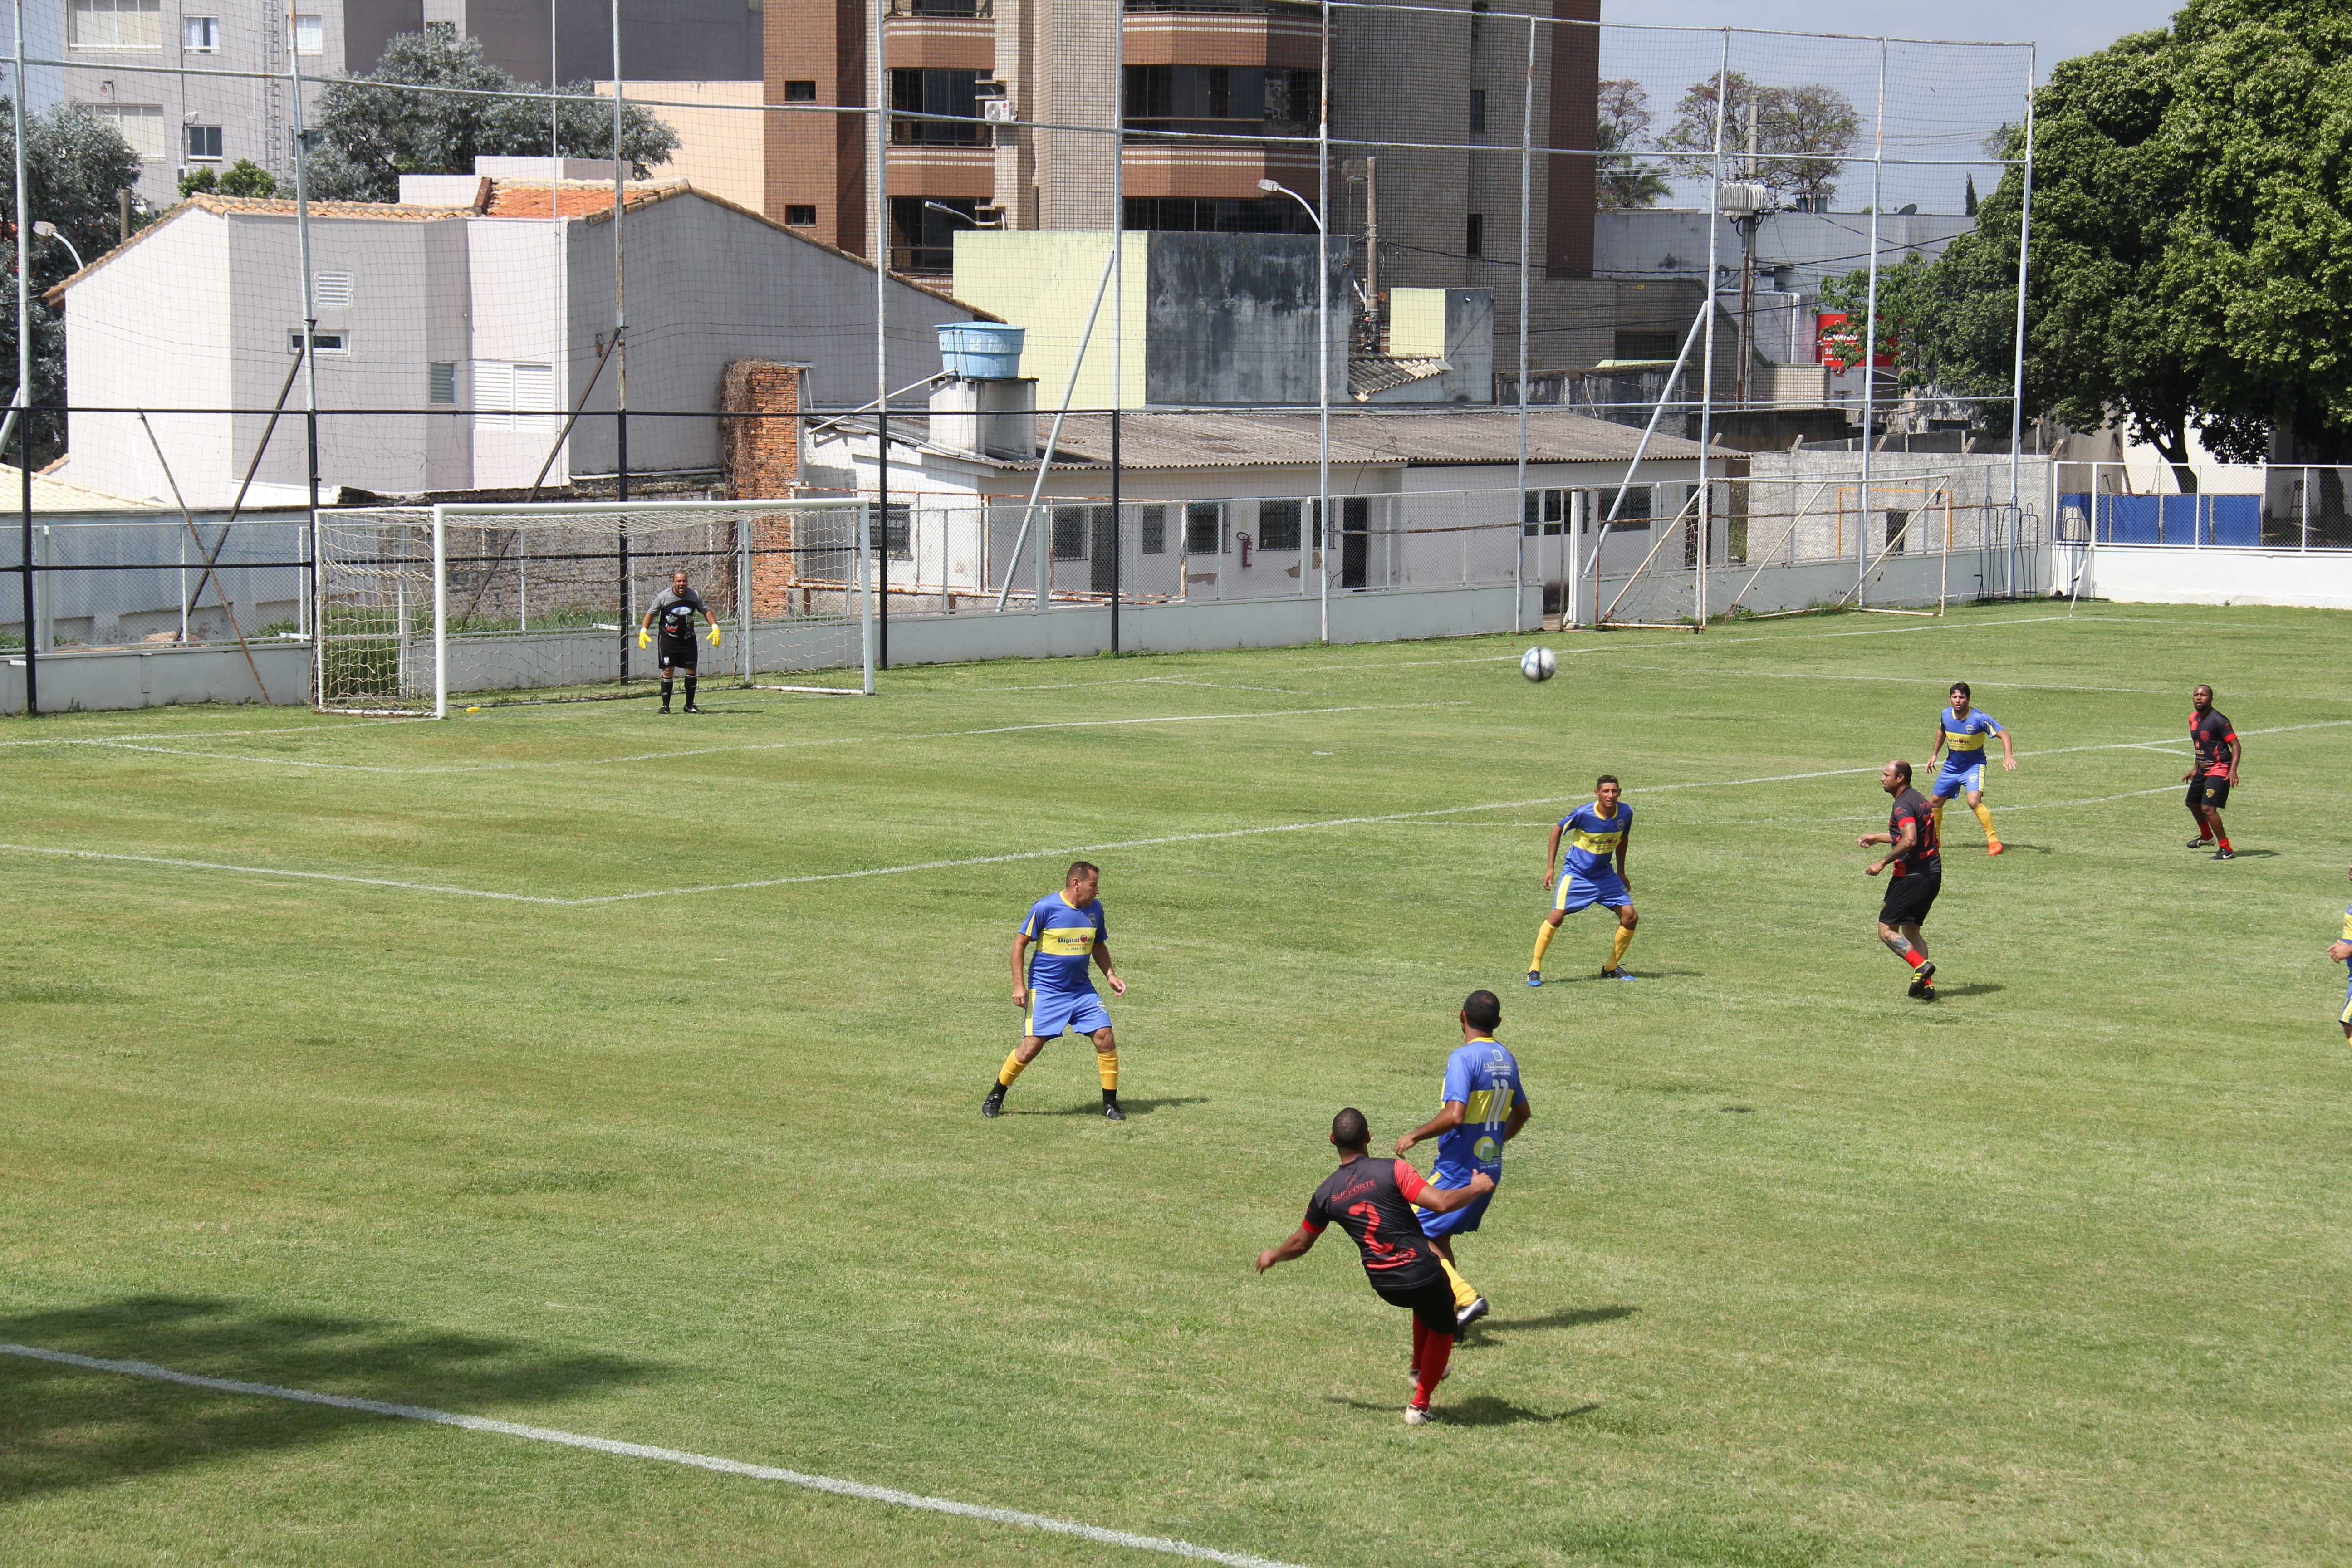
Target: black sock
pixel 665 691
pixel 689 691
pixel 1110 1096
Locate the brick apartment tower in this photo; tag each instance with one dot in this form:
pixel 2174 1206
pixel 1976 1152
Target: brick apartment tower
pixel 1225 68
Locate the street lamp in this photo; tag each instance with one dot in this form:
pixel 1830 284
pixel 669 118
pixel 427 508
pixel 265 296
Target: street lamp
pixel 48 230
pixel 1322 394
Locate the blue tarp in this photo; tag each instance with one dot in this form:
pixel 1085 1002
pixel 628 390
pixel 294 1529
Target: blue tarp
pixel 2233 521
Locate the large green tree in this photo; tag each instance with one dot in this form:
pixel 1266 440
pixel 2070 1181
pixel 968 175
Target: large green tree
pixel 75 165
pixel 432 105
pixel 1621 128
pixel 1802 135
pixel 2191 265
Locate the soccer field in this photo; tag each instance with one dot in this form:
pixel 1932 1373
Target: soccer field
pixel 619 1075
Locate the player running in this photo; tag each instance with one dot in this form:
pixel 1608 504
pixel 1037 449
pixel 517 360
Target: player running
pixel 1068 931
pixel 677 609
pixel 1484 1108
pixel 2213 773
pixel 1372 1200
pixel 2340 951
pixel 1597 832
pixel 1961 733
pixel 1916 858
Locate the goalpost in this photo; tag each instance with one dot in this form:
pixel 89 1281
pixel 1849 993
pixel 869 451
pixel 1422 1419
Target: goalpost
pixel 415 603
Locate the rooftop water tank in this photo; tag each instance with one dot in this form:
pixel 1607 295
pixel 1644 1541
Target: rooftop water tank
pixel 981 351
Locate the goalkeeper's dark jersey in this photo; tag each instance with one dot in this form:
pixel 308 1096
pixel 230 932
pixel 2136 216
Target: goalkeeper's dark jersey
pixel 675 612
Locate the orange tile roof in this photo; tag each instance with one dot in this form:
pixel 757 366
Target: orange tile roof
pixel 522 198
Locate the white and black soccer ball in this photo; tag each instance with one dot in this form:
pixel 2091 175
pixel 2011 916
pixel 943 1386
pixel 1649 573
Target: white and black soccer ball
pixel 1538 664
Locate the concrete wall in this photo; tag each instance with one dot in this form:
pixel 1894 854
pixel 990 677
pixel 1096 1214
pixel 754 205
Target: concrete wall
pixel 123 353
pixel 1044 281
pixel 1233 319
pixel 110 678
pixel 2166 574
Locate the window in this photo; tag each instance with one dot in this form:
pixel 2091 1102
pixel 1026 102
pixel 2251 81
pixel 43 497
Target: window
pixel 116 25
pixel 1152 524
pixel 1545 511
pixel 800 92
pixel 1217 214
pixel 205 142
pixel 508 396
pixel 1474 234
pixel 321 342
pixel 1477 111
pixel 200 35
pixel 1070 533
pixel 1205 528
pixel 1179 97
pixel 330 290
pixel 1640 344
pixel 922 236
pixel 800 215
pixel 954 92
pixel 142 126
pixel 897 533
pixel 441 382
pixel 310 36
pixel 1278 523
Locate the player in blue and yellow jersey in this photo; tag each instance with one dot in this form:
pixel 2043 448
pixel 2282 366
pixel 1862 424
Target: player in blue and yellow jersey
pixel 1483 1107
pixel 1961 733
pixel 1592 871
pixel 1069 933
pixel 2340 951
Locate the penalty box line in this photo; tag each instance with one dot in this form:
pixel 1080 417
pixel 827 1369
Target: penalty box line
pixel 860 1490
pixel 1386 818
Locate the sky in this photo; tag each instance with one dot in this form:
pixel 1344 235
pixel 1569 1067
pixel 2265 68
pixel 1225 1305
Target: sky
pixel 2068 27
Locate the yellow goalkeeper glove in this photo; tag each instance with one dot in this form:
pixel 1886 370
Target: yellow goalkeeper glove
pixel 714 634
pixel 644 637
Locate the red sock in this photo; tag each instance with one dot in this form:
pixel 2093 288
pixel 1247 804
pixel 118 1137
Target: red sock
pixel 1436 1350
pixel 2225 843
pixel 1914 957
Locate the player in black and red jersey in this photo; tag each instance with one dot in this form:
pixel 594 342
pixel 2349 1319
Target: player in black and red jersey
pixel 1373 1200
pixel 1914 855
pixel 2209 778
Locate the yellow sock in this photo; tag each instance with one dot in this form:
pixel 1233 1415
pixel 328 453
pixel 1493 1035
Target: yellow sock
pixel 1936 815
pixel 1463 1294
pixel 1010 1070
pixel 1617 949
pixel 1544 933
pixel 1984 815
pixel 1106 1070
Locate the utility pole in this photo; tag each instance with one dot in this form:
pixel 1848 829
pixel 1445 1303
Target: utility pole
pixel 1380 343
pixel 1748 227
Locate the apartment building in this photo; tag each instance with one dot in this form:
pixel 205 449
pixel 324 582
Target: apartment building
pixel 1241 79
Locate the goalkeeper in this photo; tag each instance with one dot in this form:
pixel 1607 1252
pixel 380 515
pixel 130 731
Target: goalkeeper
pixel 676 610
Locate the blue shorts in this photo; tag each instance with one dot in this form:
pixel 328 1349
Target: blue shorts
pixel 1953 779
pixel 1582 889
pixel 2346 1017
pixel 1052 1011
pixel 1459 1222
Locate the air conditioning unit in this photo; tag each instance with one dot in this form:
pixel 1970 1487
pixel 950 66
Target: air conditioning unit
pixel 1744 200
pixel 996 110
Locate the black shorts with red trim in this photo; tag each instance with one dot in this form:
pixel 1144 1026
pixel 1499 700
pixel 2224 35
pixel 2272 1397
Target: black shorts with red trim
pixel 2210 791
pixel 678 651
pixel 1908 900
pixel 1432 1301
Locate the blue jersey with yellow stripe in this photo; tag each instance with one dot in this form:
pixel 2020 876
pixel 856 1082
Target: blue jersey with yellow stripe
pixel 1066 937
pixel 1587 840
pixel 1964 739
pixel 1485 1078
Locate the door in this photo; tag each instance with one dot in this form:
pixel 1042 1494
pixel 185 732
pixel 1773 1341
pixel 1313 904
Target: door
pixel 1355 540
pixel 1103 559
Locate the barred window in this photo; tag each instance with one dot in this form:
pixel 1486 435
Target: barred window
pixel 116 25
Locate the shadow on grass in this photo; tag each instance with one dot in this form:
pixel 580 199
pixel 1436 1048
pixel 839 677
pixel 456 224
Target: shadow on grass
pixel 67 1426
pixel 1478 1410
pixel 1566 1318
pixel 1134 1108
pixel 1973 988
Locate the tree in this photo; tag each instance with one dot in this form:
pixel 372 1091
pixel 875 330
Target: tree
pixel 2191 213
pixel 1625 182
pixel 373 129
pixel 1802 135
pixel 75 165
pixel 245 178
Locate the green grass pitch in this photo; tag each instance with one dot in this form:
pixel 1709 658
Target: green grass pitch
pixel 1787 1269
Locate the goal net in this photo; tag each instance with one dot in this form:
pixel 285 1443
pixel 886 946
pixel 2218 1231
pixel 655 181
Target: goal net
pixel 419 604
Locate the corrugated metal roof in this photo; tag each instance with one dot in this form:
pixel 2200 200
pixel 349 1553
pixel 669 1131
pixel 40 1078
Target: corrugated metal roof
pixel 1369 374
pixel 1358 438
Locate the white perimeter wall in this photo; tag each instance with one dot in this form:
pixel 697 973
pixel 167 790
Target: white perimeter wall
pixel 2158 574
pixel 127 347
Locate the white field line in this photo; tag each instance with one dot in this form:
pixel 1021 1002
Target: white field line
pixel 788 745
pixel 1381 820
pixel 858 1490
pixel 210 734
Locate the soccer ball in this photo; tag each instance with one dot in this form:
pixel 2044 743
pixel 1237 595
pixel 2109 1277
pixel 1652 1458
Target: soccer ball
pixel 1538 664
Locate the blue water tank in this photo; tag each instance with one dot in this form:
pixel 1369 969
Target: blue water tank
pixel 981 351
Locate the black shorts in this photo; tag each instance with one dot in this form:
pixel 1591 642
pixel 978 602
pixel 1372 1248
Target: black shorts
pixel 678 651
pixel 1908 900
pixel 2212 794
pixel 1432 1302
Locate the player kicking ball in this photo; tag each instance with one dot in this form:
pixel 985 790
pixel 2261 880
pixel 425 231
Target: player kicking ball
pixel 1961 732
pixel 676 610
pixel 1597 833
pixel 1916 858
pixel 1068 931
pixel 1373 1200
pixel 1481 1107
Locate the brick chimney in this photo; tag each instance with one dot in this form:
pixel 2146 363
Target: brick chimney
pixel 759 456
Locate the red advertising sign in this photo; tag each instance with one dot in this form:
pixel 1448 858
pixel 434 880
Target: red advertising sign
pixel 1836 342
